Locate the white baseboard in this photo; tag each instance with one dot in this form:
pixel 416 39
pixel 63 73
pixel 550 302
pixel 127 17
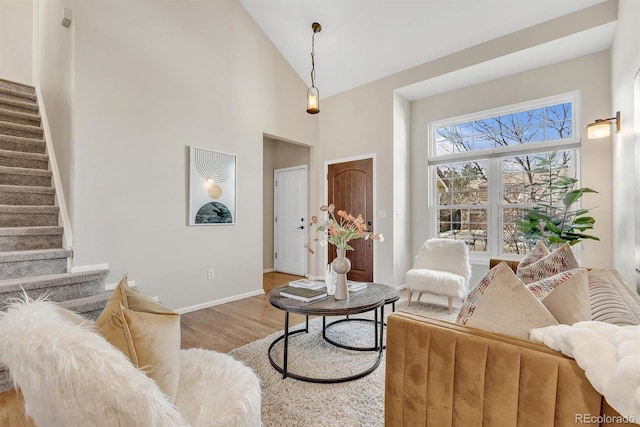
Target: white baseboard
pixel 83 268
pixel 218 302
pixel 268 270
pixel 401 287
pixel 310 277
pixel 112 286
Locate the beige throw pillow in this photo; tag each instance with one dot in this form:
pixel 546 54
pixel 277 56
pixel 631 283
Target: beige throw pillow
pixel 560 260
pixel 146 332
pixel 566 295
pixel 500 302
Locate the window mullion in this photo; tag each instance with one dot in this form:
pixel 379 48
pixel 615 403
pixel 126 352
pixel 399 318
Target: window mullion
pixel 432 202
pixel 494 234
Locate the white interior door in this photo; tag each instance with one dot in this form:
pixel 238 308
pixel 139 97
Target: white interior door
pixel 290 217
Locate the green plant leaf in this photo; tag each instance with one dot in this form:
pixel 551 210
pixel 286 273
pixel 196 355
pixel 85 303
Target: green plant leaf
pixel 555 239
pixel 584 220
pixel 582 236
pixel 553 227
pixel 571 197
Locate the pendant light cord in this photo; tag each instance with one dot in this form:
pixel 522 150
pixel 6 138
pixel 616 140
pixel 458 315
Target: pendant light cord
pixel 313 62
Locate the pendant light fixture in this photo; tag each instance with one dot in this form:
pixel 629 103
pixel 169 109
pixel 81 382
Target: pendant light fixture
pixel 313 95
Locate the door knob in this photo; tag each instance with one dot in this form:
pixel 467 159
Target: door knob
pixel 301 227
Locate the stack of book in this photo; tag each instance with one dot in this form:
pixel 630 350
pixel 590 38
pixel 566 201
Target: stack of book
pixel 303 294
pixel 307 284
pixel 355 286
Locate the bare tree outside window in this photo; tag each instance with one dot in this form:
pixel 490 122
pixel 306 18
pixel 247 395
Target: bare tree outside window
pixel 463 186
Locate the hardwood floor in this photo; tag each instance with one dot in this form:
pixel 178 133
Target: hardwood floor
pixel 11 410
pixel 271 280
pixel 221 328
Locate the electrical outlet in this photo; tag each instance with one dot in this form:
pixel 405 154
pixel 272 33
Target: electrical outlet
pixel 210 274
pixel 397 263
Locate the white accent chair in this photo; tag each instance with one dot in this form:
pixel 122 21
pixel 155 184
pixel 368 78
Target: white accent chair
pixel 441 268
pixel 71 376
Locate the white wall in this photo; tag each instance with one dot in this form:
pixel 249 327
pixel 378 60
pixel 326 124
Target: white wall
pixel 152 78
pixel 403 256
pixel 54 73
pixel 355 123
pixel 625 62
pixel 16 40
pixel 563 77
pixel 361 120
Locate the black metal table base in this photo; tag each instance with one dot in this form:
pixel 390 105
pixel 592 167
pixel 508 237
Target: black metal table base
pixel 325 326
pixel 285 336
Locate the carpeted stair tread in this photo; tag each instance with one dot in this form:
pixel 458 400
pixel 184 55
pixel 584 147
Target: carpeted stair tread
pixel 28 215
pixel 51 280
pixel 24 171
pixel 55 287
pixel 19 143
pixel 13 256
pixel 28 177
pixel 28 209
pixel 5 379
pixel 26 195
pixel 30 231
pixel 19 117
pixel 89 307
pixel 26 189
pixel 15 105
pixel 6 92
pixel 20 159
pixel 27 131
pixel 22 155
pixel 29 263
pixel 21 87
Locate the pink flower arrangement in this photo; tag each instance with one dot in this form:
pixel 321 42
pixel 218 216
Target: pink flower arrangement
pixel 339 231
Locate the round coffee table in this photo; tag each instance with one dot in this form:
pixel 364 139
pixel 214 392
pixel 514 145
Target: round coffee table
pixel 369 299
pixel 391 296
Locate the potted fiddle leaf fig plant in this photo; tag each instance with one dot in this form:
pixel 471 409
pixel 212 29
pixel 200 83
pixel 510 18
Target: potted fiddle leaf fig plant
pixel 553 217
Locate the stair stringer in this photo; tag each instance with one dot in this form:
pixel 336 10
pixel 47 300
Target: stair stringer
pixel 60 201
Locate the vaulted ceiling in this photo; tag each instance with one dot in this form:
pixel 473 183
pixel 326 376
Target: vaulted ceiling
pixel 365 40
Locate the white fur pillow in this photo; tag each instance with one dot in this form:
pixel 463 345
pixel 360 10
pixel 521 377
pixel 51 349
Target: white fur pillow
pixel 71 376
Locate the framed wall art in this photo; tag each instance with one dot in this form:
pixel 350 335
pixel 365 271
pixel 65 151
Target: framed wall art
pixel 212 187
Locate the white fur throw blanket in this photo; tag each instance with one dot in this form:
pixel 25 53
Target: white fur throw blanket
pixel 609 355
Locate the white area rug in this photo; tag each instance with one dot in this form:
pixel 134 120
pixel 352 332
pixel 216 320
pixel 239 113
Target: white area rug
pixel 294 403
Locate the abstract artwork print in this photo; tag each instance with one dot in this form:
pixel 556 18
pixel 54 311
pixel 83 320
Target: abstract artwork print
pixel 212 187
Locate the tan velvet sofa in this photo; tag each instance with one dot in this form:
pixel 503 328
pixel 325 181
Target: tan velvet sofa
pixel 440 374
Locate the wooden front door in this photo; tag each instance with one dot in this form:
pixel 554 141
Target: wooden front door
pixel 350 188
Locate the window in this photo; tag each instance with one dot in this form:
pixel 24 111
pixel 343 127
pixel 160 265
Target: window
pixel 487 167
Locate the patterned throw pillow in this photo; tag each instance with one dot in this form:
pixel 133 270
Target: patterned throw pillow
pixel 538 252
pixel 560 260
pixel 566 295
pixel 500 302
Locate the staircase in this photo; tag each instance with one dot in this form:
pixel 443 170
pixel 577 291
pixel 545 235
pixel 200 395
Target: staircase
pixel 32 258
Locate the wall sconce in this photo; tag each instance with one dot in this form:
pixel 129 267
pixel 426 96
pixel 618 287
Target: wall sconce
pixel 601 128
pixel 313 95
